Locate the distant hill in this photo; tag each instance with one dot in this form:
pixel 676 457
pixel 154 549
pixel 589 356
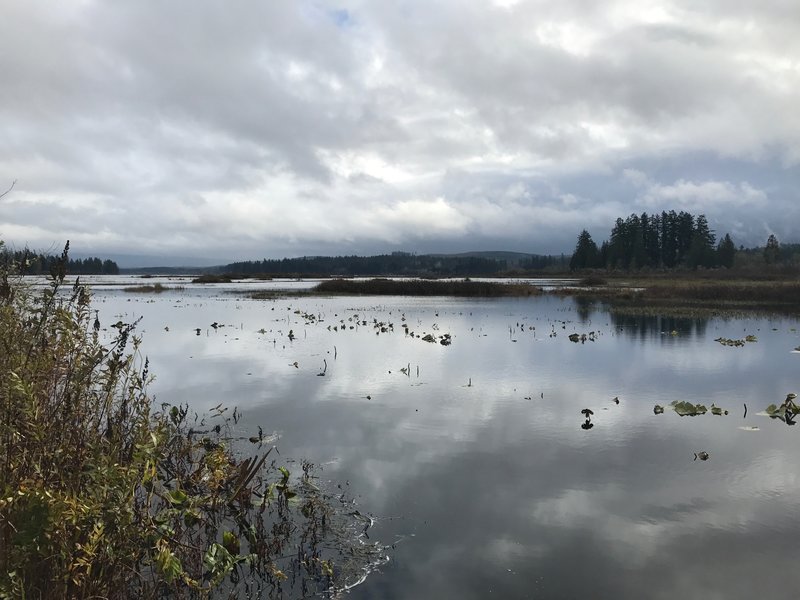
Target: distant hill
pixel 511 258
pixel 466 264
pixel 171 270
pixel 485 262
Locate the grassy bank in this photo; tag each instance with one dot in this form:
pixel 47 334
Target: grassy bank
pixel 424 287
pixel 701 292
pixel 105 495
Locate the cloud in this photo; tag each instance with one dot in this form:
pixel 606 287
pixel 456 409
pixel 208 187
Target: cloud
pixel 280 124
pixel 694 194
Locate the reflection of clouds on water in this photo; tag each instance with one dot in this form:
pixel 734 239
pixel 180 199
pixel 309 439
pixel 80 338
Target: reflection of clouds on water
pixel 503 492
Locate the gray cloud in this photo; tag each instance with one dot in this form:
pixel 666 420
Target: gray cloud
pixel 290 128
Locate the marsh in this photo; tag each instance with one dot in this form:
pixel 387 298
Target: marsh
pixel 471 459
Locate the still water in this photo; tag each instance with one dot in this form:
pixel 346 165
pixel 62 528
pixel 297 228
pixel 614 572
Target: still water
pixel 471 457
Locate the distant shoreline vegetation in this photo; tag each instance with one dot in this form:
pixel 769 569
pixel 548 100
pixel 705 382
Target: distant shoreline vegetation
pixel 402 264
pixel 31 263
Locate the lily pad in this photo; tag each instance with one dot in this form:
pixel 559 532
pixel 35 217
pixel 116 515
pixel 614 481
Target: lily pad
pixel 687 409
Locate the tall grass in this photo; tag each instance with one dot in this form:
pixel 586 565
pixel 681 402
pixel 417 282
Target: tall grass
pixel 104 495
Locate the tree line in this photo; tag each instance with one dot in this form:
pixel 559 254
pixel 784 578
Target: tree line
pixel 667 240
pixel 384 264
pixel 31 263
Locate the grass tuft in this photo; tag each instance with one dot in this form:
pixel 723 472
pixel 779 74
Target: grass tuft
pixel 156 288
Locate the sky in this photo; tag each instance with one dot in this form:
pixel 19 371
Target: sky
pixel 204 131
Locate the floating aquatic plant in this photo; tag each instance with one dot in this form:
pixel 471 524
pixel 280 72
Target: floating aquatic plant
pixel 685 408
pixel 582 337
pixel 737 343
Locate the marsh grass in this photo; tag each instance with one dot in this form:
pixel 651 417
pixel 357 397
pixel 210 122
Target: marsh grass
pixel 156 288
pixel 424 287
pixel 694 292
pixel 212 278
pixel 592 280
pixel 104 495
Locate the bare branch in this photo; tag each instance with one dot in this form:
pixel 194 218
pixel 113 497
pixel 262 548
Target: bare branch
pixel 13 183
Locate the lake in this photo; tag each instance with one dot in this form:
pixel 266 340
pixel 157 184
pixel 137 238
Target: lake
pixel 474 460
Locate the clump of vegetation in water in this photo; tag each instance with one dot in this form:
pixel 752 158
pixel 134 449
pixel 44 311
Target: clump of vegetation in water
pixel 688 409
pixel 592 281
pixel 104 495
pixel 156 288
pixel 582 337
pixel 212 278
pixel 424 287
pixel 787 410
pixel 738 343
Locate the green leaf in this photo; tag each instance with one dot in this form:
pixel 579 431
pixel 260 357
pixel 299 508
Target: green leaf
pixel 191 517
pixel 168 564
pixel 230 542
pixel 177 497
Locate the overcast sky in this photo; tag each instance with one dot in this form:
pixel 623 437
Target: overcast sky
pixel 251 129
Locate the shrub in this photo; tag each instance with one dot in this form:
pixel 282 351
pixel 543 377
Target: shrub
pixel 103 494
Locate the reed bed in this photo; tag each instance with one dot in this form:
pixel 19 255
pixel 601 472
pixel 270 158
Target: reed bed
pixel 424 287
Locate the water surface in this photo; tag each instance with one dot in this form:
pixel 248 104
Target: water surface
pixel 471 457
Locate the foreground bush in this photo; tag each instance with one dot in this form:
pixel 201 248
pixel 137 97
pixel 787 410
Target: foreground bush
pixel 103 496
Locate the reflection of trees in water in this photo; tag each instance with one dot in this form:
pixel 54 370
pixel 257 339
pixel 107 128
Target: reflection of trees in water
pixel 650 326
pixel 639 325
pixel 584 307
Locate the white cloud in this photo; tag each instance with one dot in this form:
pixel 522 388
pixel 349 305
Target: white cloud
pixel 296 111
pixel 703 195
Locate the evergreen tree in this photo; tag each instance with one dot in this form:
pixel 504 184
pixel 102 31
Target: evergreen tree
pixel 586 254
pixel 602 260
pixel 701 250
pixel 617 251
pixel 684 232
pixel 726 250
pixel 669 244
pixel 772 250
pixel 651 226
